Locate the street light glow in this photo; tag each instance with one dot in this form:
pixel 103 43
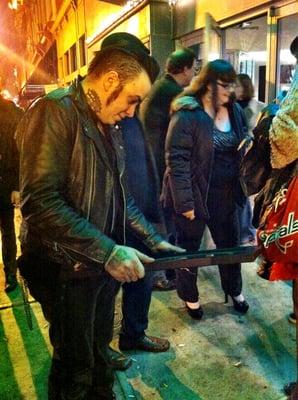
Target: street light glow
pixel 13 4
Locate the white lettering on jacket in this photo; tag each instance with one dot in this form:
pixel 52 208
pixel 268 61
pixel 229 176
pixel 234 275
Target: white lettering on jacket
pixel 268 237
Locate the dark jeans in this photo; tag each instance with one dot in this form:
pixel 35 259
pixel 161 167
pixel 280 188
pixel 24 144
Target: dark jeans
pixel 8 238
pixel 136 298
pixel 81 316
pixel 224 229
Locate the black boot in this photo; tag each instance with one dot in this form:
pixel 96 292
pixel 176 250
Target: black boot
pixel 94 396
pixel 289 388
pixel 11 283
pixel 240 306
pixel 118 361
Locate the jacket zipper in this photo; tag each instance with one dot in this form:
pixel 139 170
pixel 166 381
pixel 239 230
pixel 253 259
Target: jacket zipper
pixel 124 205
pixel 59 247
pixel 121 185
pixel 114 210
pixel 92 184
pixel 62 247
pixel 209 177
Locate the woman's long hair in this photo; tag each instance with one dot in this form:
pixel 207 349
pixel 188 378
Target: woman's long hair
pixel 246 83
pixel 212 72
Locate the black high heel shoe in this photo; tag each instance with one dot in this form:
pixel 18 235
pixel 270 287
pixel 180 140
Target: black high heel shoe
pixel 240 306
pixel 195 313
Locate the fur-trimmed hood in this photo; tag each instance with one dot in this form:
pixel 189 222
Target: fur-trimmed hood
pixel 185 103
pixel 283 134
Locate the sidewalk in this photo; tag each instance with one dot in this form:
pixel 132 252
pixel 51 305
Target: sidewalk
pixel 224 356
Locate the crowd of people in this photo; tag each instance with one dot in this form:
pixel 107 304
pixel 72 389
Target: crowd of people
pixel 107 181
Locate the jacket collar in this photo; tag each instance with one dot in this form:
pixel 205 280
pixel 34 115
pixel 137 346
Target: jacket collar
pixel 186 103
pixel 91 128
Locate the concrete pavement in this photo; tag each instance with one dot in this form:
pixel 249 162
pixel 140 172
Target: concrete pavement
pixel 225 356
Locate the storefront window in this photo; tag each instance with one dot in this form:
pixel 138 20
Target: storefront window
pixel 287 31
pixel 245 48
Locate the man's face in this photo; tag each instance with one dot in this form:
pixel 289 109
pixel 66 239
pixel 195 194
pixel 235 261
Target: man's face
pixel 239 91
pixel 121 102
pixel 190 73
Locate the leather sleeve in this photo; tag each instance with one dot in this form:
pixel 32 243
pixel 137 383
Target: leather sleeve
pixel 45 140
pixel 139 226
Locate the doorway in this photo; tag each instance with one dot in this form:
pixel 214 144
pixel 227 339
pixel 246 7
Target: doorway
pixel 245 49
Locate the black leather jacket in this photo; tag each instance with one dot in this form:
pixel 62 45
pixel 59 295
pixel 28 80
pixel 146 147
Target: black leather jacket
pixel 189 156
pixel 66 181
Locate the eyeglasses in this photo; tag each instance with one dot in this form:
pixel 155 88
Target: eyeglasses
pixel 227 85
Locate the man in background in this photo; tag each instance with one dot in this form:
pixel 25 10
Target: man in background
pixel 142 183
pixel 155 117
pixel 10 116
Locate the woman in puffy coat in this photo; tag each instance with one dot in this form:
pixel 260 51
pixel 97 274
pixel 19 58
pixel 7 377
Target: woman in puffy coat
pixel 204 146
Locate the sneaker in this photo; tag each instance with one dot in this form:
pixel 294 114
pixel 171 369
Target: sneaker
pixel 292 318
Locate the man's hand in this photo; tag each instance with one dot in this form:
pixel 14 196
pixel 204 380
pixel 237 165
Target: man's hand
pixel 125 264
pixel 15 198
pixel 189 214
pixel 165 246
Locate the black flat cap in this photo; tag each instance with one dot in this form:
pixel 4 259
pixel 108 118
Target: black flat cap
pixel 130 44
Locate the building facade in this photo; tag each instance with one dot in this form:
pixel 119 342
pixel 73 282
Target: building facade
pixel 254 35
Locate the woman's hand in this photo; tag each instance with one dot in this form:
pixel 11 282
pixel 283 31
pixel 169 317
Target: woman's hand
pixel 189 214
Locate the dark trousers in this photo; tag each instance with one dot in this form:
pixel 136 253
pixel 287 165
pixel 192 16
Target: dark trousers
pixel 81 316
pixel 171 236
pixel 8 238
pixel 224 229
pixel 136 298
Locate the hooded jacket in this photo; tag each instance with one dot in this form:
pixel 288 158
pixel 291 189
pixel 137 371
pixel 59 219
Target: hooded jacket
pixel 67 182
pixel 283 134
pixel 189 155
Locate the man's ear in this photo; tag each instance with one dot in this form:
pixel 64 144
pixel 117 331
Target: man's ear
pixel 110 81
pixel 209 87
pixel 185 69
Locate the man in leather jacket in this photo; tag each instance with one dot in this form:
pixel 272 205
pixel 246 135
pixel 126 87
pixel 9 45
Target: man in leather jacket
pixel 76 212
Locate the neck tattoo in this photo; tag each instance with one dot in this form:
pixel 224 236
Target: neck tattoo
pixel 94 101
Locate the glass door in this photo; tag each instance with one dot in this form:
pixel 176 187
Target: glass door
pixel 212 39
pixel 245 48
pixel 287 31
